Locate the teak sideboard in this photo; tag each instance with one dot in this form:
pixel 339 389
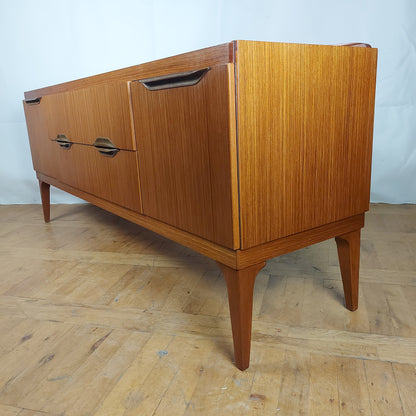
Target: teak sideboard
pixel 243 152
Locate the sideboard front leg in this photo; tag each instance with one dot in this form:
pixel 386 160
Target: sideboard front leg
pixel 349 261
pixel 45 197
pixel 240 286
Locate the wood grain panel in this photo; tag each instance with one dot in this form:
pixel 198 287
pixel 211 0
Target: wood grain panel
pixel 113 179
pixel 85 114
pixel 187 158
pixel 305 122
pixel 40 147
pixel 219 54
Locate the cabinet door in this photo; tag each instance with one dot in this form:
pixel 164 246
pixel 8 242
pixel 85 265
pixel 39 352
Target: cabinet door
pixel 186 143
pixel 84 114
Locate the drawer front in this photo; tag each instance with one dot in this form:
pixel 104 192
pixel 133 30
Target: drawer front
pixel 114 179
pixel 41 148
pixel 186 148
pixel 84 114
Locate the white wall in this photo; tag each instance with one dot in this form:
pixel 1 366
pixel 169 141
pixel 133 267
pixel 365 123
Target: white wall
pixel 44 42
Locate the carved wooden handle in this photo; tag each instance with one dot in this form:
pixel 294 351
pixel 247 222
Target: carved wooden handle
pixel 63 141
pixel 183 79
pixel 105 146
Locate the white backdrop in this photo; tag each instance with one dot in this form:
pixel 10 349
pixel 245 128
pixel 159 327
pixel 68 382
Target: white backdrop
pixel 44 42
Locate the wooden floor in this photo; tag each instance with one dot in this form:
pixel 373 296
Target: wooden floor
pixel 101 317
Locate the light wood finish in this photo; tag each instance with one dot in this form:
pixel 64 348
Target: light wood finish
pixel 184 137
pixel 268 153
pixel 349 261
pixel 40 147
pixel 305 122
pixel 84 114
pixel 240 286
pixel 102 317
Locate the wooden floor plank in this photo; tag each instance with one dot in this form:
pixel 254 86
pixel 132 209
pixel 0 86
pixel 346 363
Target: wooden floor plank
pixel 382 388
pixel 9 410
pixel 405 376
pixel 353 392
pixel 181 358
pixel 221 388
pixel 40 341
pixel 267 381
pixel 13 327
pixel 295 387
pixel 69 355
pixel 28 412
pixel 323 395
pixel 93 380
pixel 203 298
pixel 127 395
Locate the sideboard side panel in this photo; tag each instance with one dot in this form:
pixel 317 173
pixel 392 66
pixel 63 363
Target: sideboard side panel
pixel 305 124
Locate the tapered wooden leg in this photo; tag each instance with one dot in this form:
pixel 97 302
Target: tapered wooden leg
pixel 45 197
pixel 240 286
pixel 349 261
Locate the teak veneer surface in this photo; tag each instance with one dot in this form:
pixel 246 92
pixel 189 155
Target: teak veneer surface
pixel 115 180
pixel 88 113
pixel 305 123
pixel 186 153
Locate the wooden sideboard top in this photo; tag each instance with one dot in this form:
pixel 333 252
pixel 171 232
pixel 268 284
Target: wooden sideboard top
pixel 219 54
pixel 214 55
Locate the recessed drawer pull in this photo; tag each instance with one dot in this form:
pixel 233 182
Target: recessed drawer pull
pixel 63 141
pixel 183 79
pixel 33 101
pixel 106 147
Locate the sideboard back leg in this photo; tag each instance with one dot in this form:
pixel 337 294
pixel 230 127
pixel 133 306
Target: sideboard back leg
pixel 240 286
pixel 349 261
pixel 45 197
